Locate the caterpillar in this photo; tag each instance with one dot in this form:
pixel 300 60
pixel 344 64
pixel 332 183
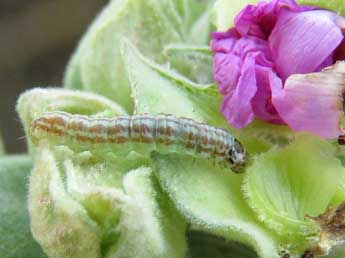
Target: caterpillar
pixel 162 133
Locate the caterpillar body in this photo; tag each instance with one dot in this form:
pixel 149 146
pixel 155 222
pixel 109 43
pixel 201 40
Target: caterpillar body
pixel 143 133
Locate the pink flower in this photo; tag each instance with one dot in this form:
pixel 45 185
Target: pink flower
pixel 263 67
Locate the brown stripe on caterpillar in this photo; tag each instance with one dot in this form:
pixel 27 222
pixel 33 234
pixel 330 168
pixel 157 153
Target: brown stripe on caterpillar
pixel 163 133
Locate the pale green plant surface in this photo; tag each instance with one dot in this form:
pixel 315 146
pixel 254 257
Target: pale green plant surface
pixel 90 218
pixel 284 186
pixel 169 88
pixel 211 198
pixel 153 57
pixel 149 24
pixel 16 240
pixel 193 61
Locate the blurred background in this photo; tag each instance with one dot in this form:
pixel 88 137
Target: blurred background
pixel 37 38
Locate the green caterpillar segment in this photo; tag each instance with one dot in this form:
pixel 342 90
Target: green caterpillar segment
pixel 142 133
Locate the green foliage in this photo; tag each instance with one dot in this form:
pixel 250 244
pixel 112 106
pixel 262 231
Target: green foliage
pixel 153 85
pixel 150 24
pixel 15 236
pixel 284 186
pixel 153 57
pixel 193 61
pixel 211 199
pixel 76 214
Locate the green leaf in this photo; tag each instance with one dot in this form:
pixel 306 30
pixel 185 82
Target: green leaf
pixel 192 11
pixel 150 226
pixel 58 222
pixel 157 89
pixel 211 199
pixel 259 136
pixel 115 199
pixel 193 61
pixel 201 29
pixel 97 64
pixel 16 240
pixel 225 11
pixel 91 208
pixel 284 186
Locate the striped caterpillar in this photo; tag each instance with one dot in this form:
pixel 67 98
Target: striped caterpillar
pixel 143 133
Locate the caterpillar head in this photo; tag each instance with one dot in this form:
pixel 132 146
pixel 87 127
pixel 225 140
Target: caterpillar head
pixel 237 157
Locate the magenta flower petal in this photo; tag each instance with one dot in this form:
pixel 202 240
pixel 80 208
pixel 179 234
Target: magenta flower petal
pixel 302 42
pixel 227 66
pixel 262 66
pixel 262 101
pixel 259 20
pixel 231 52
pixel 226 63
pixel 236 106
pixel 233 56
pixel 313 102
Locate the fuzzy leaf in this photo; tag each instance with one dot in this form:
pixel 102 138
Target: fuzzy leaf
pixel 201 29
pixel 193 61
pixel 284 186
pixel 115 199
pixel 97 66
pixel 192 12
pixel 211 199
pixel 150 226
pixel 16 240
pixel 58 222
pixel 157 89
pixel 90 211
pixel 259 136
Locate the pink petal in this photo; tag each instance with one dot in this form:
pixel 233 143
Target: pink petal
pixel 262 101
pixel 223 41
pixel 230 56
pixel 259 20
pixel 227 71
pixel 303 42
pixel 236 107
pixel 313 102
